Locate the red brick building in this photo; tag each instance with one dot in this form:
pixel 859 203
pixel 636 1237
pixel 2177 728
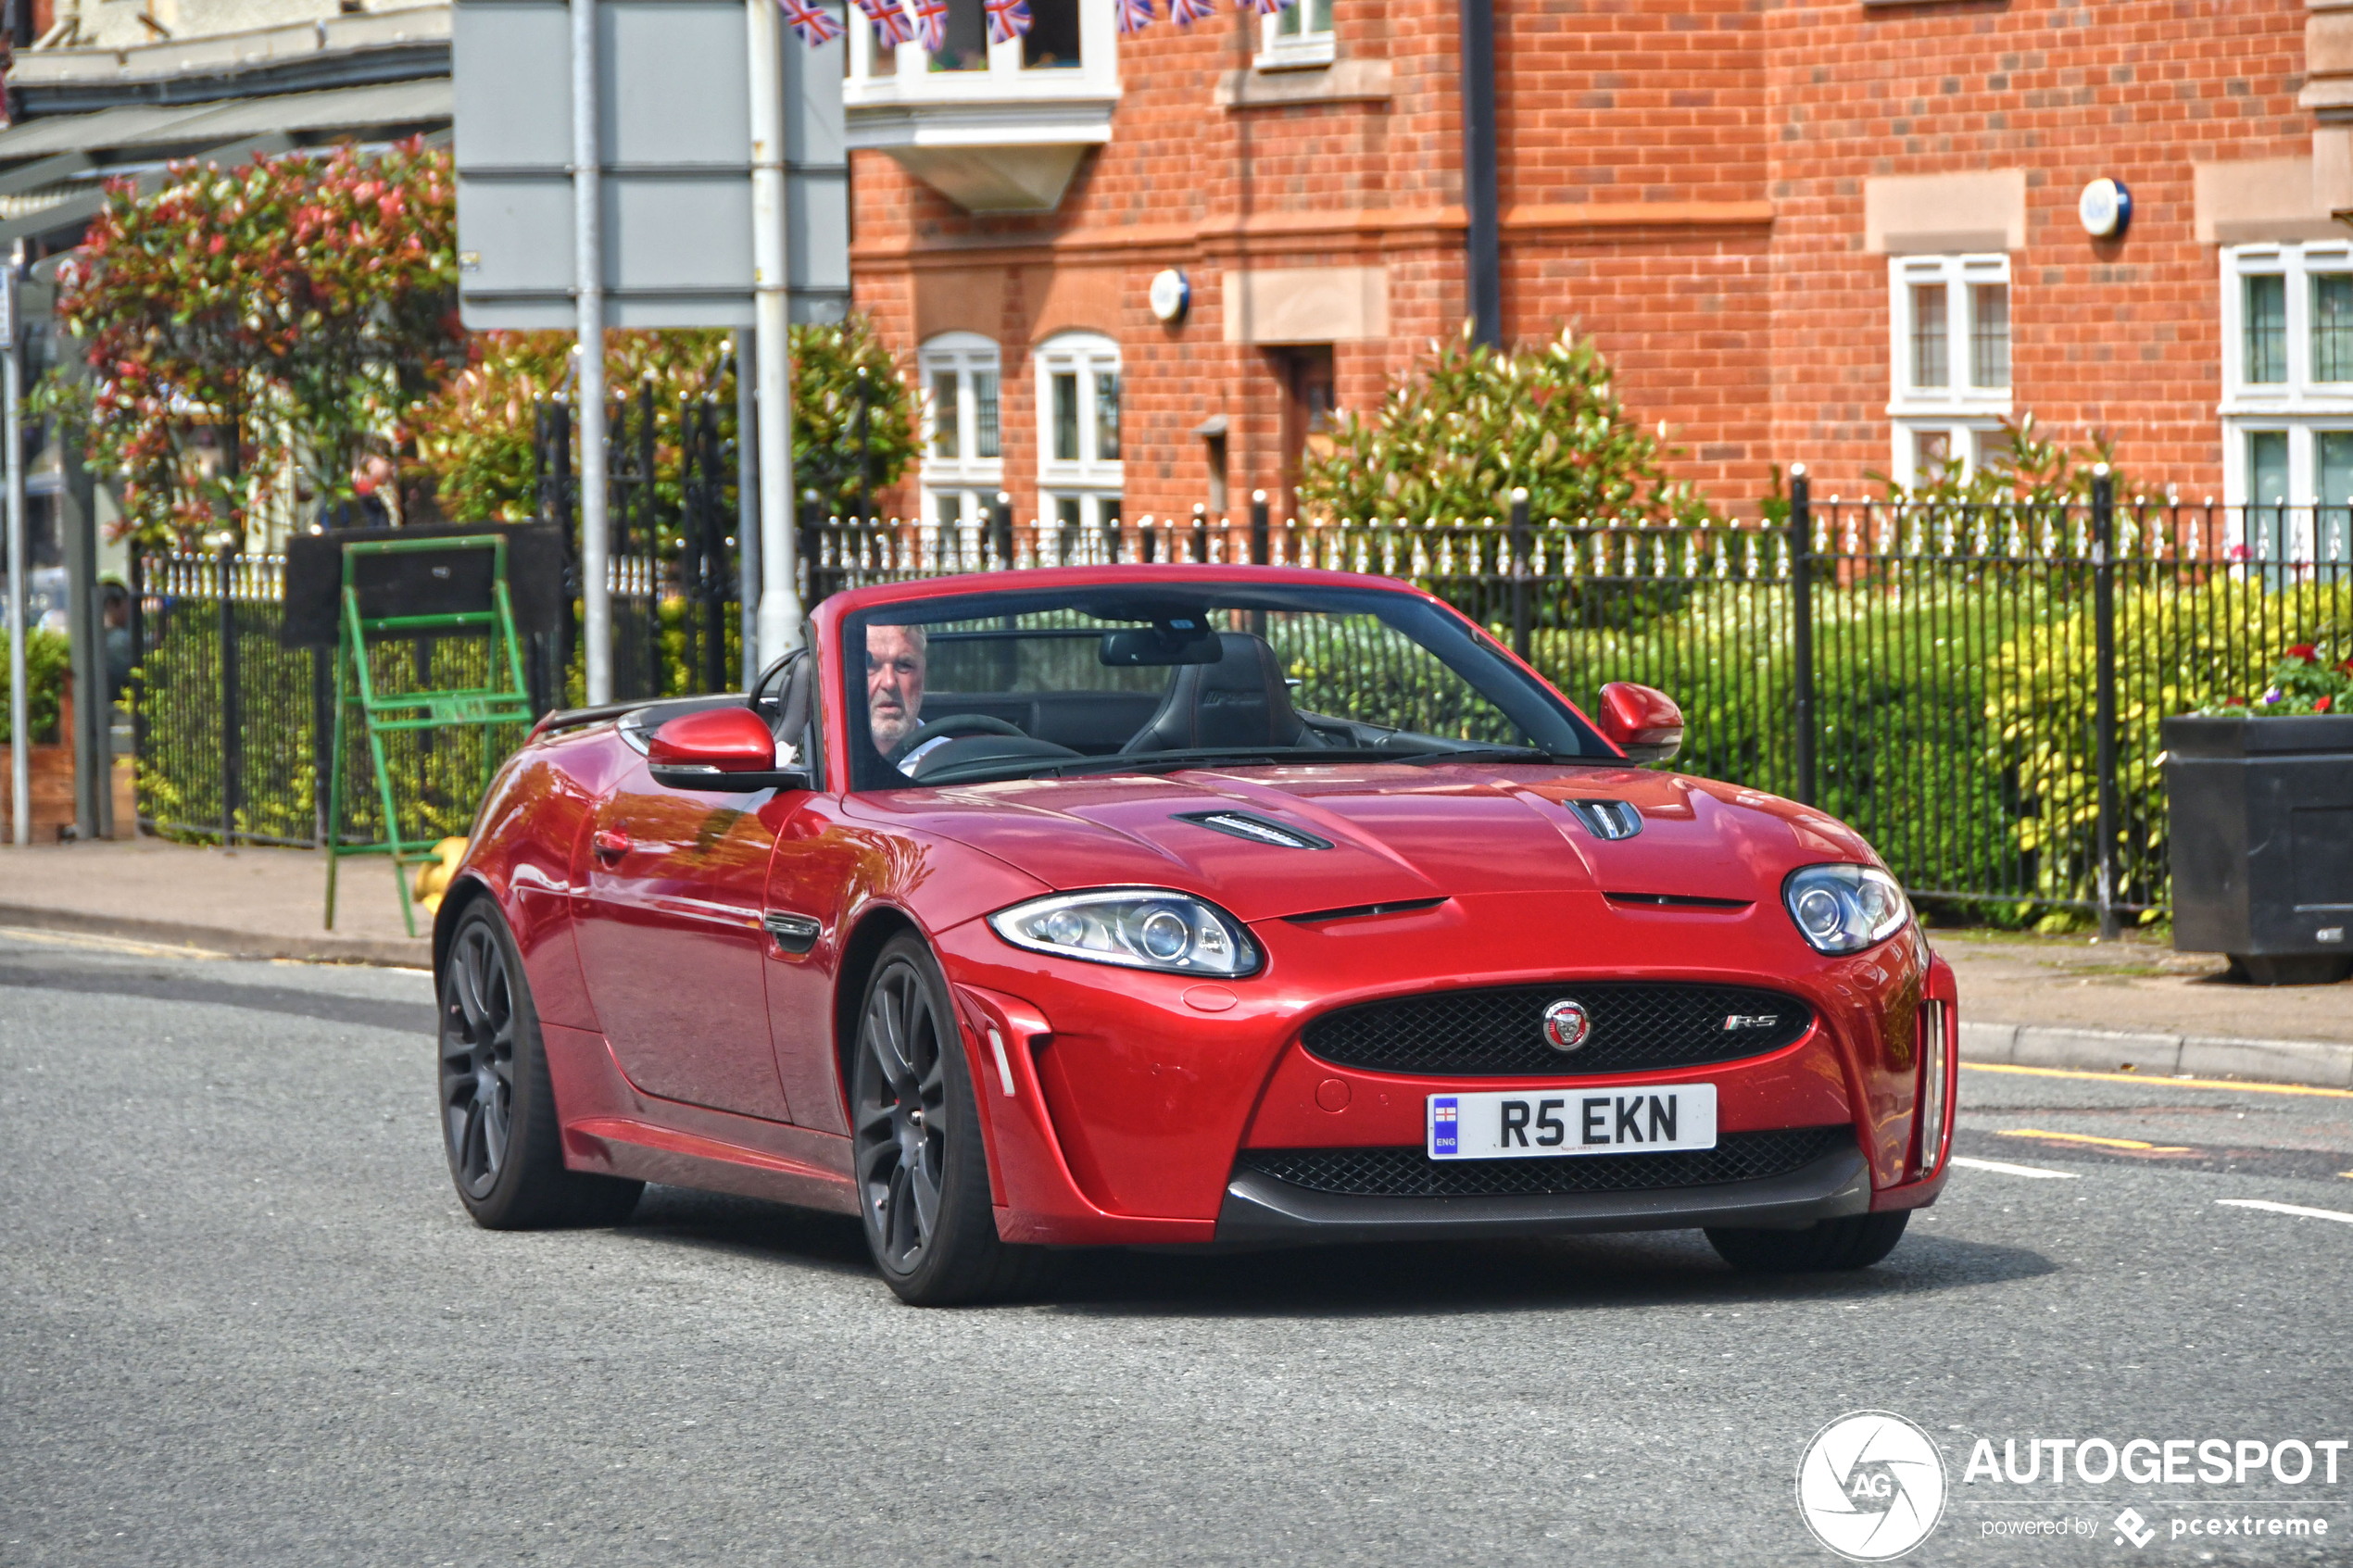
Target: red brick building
pixel 1838 231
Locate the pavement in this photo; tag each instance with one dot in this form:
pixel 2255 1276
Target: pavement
pixel 247 902
pixel 2128 1006
pixel 243 1320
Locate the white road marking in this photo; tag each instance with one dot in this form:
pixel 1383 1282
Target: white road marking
pixel 2002 1168
pixel 2295 1208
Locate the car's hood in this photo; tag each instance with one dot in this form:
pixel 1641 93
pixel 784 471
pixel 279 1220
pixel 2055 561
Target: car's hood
pixel 1397 834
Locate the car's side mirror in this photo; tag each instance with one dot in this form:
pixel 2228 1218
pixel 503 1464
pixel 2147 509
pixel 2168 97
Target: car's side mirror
pixel 726 750
pixel 1639 721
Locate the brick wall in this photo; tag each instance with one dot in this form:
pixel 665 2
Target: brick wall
pixel 1681 178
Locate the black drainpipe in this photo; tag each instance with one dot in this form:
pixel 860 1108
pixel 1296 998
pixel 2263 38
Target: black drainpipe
pixel 1485 246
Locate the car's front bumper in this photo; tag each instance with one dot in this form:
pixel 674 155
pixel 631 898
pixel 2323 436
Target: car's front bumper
pixel 1122 1100
pixel 1261 1209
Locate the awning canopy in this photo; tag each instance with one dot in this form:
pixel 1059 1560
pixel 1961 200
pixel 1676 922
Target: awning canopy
pixel 160 131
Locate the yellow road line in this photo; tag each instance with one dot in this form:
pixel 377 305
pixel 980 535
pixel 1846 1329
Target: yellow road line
pixel 2153 1080
pixel 2134 1143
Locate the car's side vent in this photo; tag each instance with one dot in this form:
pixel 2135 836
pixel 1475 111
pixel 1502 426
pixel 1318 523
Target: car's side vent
pixel 1255 828
pixel 1607 818
pixel 1358 912
pixel 1678 901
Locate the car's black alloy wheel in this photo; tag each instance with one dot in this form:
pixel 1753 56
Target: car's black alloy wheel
pixel 499 1120
pixel 916 1152
pixel 477 1059
pixel 903 1121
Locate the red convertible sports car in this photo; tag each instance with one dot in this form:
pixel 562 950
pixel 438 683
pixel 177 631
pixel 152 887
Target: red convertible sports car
pixel 1170 905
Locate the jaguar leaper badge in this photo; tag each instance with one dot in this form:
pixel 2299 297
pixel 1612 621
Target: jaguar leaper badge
pixel 1566 1025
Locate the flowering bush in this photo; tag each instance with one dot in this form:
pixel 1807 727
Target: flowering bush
pixel 2302 682
pixel 476 430
pixel 1459 435
pixel 248 323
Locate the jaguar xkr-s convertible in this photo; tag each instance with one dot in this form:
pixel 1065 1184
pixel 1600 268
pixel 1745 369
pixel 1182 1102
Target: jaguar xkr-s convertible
pixel 1179 906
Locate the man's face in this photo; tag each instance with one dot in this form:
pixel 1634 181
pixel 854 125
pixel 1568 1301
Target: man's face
pixel 894 684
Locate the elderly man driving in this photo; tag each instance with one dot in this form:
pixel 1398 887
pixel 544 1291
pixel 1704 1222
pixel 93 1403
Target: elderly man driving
pixel 894 658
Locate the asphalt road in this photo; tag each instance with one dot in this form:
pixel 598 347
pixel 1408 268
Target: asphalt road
pixel 243 1320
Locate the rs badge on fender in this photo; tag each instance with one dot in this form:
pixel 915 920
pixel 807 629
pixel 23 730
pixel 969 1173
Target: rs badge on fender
pixel 1566 1025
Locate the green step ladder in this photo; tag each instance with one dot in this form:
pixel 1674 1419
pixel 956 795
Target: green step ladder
pixel 504 701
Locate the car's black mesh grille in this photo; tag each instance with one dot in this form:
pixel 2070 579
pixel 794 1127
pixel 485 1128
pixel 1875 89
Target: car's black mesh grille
pixel 1636 1027
pixel 1410 1173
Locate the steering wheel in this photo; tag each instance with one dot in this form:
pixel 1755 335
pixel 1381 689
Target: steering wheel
pixel 954 724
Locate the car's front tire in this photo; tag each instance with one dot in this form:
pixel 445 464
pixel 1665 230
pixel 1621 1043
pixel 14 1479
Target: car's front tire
pixel 1856 1242
pixel 499 1120
pixel 916 1151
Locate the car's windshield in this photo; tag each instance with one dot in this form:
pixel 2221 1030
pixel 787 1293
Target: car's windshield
pixel 1143 678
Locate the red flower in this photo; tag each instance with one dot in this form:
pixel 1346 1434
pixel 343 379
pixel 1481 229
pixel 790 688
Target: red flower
pixel 2323 706
pixel 2302 651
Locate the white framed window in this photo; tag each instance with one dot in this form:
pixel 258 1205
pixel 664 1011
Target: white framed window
pixel 2287 396
pixel 1067 50
pixel 1079 473
pixel 1297 37
pixel 1948 361
pixel 963 462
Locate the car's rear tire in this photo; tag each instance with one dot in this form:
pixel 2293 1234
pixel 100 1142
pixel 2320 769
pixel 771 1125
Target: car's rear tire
pixel 1856 1242
pixel 916 1153
pixel 498 1122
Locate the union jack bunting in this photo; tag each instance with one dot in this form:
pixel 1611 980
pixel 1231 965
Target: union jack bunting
pixel 1184 13
pixel 814 24
pixel 1008 20
pixel 931 25
pixel 1135 15
pixel 1265 7
pixel 891 26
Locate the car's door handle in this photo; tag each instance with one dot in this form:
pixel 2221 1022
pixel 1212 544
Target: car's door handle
pixel 610 844
pixel 794 933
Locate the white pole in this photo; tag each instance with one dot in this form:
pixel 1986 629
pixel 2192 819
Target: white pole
pixel 19 698
pixel 587 238
pixel 771 350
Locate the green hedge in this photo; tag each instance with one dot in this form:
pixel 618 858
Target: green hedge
pixel 437 776
pixel 48 662
pixel 1955 722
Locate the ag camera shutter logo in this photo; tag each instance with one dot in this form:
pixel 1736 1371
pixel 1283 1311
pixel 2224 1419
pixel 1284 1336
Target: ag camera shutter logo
pixel 1872 1485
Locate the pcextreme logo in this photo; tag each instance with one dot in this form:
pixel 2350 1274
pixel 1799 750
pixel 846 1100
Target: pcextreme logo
pixel 1872 1485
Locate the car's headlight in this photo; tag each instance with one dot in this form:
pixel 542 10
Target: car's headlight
pixel 1140 927
pixel 1844 909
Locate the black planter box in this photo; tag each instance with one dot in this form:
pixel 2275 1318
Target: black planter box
pixel 2260 812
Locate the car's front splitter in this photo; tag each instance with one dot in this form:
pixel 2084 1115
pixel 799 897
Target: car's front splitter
pixel 1261 1209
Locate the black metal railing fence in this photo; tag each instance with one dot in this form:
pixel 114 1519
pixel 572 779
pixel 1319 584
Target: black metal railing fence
pixel 1976 689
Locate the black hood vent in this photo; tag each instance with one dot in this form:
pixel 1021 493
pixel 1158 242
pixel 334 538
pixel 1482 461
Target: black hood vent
pixel 1255 828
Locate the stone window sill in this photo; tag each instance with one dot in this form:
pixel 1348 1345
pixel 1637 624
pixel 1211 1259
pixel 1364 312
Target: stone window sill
pixel 1339 82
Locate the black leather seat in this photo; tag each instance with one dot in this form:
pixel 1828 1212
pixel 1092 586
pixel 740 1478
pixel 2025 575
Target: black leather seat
pixel 1242 700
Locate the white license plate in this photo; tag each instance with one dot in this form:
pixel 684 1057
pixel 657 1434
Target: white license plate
pixel 1545 1123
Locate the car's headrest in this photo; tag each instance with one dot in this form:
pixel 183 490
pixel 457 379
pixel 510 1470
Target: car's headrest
pixel 1241 700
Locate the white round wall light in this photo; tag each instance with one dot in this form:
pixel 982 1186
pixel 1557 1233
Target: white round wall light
pixel 1171 294
pixel 2104 208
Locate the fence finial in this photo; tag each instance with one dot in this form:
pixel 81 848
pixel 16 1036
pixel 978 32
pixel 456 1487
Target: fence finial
pixel 1519 494
pixel 1797 470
